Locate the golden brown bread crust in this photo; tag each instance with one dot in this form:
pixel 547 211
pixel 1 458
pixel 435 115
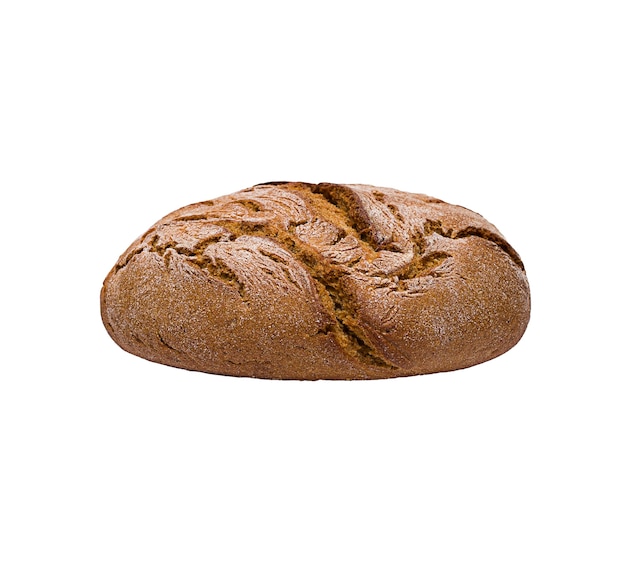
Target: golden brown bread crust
pixel 301 281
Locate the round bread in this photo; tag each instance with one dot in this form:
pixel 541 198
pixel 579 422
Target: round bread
pixel 302 281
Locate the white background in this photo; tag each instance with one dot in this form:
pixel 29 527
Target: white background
pixel 115 113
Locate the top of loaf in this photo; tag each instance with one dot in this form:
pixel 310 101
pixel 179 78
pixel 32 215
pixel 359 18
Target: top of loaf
pixel 381 228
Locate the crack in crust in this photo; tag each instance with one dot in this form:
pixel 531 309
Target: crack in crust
pixel 431 227
pixel 194 256
pixel 335 232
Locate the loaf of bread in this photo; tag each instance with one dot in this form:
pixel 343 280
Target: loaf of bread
pixel 302 281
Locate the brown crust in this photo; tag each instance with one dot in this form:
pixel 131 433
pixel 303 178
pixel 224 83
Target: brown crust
pixel 294 280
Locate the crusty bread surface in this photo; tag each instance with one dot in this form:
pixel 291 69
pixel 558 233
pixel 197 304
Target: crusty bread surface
pixel 291 280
